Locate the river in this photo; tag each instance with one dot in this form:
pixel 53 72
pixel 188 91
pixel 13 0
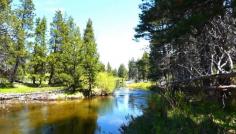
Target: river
pixel 103 115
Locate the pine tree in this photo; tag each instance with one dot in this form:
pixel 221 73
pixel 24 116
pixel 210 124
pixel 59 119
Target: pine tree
pixel 90 61
pixel 24 25
pixel 58 33
pixel 71 58
pixel 109 69
pixel 122 71
pixel 133 70
pixel 114 72
pixel 102 67
pixel 6 39
pixel 145 66
pixel 38 60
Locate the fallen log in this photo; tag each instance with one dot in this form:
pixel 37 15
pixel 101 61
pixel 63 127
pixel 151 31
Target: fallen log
pixel 222 87
pixel 205 77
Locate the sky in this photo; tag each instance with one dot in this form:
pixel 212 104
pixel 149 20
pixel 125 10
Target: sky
pixel 113 21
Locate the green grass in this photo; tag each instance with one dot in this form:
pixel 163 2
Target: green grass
pixel 20 88
pixel 198 117
pixel 140 85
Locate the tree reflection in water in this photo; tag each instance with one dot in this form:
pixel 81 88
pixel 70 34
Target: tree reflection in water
pixel 101 114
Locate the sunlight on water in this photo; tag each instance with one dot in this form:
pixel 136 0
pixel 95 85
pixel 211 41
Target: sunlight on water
pixel 98 115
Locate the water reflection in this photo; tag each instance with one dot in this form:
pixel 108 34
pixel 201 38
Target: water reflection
pixel 98 115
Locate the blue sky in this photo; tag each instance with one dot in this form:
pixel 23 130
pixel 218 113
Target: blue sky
pixel 113 20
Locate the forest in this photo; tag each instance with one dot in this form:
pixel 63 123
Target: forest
pixel 192 43
pixel 58 55
pixel 184 83
pixel 192 60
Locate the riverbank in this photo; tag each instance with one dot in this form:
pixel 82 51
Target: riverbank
pixel 41 96
pixel 104 114
pixel 24 92
pixel 140 85
pixel 196 116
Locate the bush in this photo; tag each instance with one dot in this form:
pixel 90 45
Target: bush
pixel 106 82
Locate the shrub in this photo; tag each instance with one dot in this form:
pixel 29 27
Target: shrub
pixel 106 82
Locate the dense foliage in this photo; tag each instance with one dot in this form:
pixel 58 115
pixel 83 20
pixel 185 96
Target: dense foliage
pixel 106 82
pixel 122 71
pixel 139 70
pixel 192 44
pixel 64 58
pixel 192 56
pixel 193 117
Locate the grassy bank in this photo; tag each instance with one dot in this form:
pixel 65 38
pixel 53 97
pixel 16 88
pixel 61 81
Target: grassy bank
pixel 21 88
pixel 140 85
pixel 188 117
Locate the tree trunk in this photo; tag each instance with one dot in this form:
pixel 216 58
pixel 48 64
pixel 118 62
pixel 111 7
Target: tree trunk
pixel 51 75
pixel 13 75
pixel 33 79
pixel 90 89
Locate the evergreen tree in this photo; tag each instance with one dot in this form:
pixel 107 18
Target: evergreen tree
pixel 145 66
pixel 24 25
pixel 58 33
pixel 109 69
pixel 102 67
pixel 71 59
pixel 90 60
pixel 185 39
pixel 122 71
pixel 7 19
pixel 38 60
pixel 114 72
pixel 133 70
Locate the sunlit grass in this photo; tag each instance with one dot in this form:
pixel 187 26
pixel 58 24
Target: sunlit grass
pixel 191 117
pixel 20 88
pixel 140 85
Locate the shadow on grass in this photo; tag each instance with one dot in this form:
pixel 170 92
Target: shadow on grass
pixel 6 85
pixel 200 118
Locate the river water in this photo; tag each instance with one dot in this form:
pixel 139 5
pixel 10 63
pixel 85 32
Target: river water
pixel 103 115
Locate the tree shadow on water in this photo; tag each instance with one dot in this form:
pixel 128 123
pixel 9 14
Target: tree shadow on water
pixel 73 125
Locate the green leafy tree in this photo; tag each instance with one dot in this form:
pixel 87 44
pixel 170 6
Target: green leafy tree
pixel 90 59
pixel 38 60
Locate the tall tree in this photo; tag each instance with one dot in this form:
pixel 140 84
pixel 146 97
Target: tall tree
pixel 114 72
pixel 71 57
pixel 189 39
pixel 58 32
pixel 102 67
pixel 145 66
pixel 6 38
pixel 133 70
pixel 38 59
pixel 90 60
pixel 109 69
pixel 25 15
pixel 122 71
